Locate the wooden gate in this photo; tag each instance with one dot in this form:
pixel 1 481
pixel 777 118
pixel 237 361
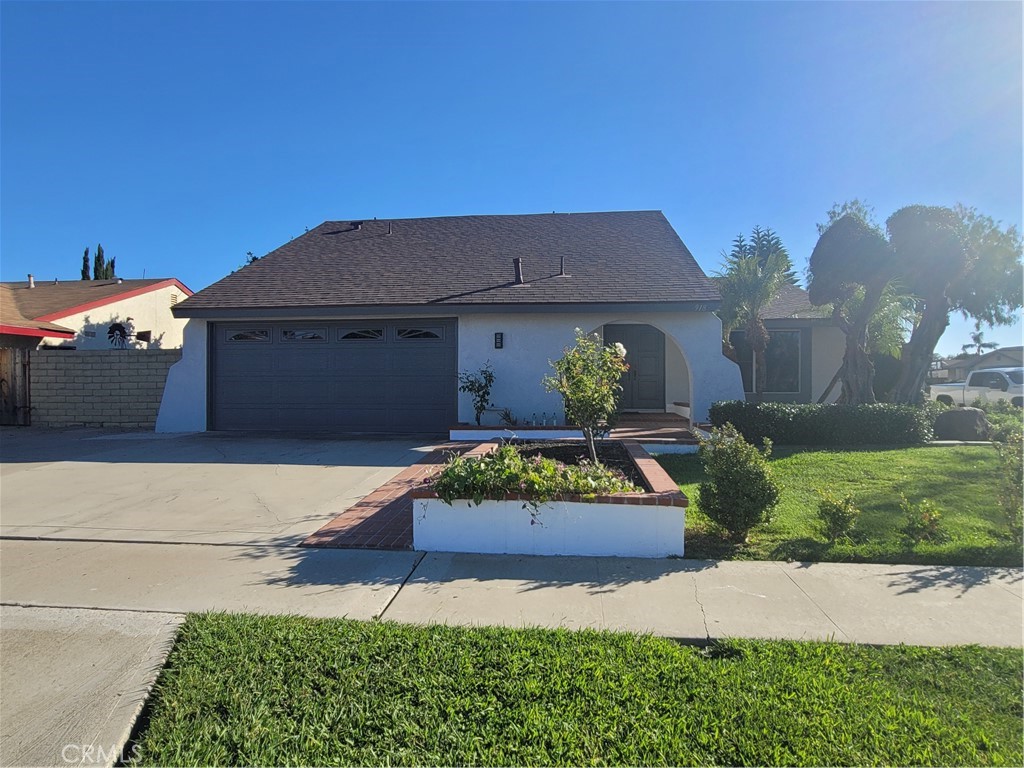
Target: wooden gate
pixel 15 408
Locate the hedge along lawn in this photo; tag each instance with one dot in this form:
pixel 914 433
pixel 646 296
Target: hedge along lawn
pixel 962 480
pixel 246 690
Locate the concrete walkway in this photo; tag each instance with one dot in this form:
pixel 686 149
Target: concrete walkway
pixel 85 625
pixel 74 681
pixel 692 600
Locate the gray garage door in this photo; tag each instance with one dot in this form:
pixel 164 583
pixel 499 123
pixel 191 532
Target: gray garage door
pixel 388 376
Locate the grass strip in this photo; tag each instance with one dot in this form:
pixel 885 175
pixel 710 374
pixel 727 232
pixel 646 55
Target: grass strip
pixel 247 690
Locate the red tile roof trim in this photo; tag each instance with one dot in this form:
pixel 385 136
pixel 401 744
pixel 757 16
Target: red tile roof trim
pixel 17 330
pixel 172 282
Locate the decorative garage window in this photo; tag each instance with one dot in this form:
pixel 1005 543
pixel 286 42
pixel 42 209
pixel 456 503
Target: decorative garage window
pixel 303 334
pixel 420 334
pixel 249 334
pixel 363 334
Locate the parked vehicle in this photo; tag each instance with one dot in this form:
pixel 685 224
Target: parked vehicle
pixel 989 385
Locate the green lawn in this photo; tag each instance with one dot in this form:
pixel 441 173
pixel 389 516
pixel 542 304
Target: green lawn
pixel 245 690
pixel 961 480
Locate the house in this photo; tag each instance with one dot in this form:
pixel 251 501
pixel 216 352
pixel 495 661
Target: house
pixel 92 314
pixel 958 368
pixel 805 350
pixel 365 325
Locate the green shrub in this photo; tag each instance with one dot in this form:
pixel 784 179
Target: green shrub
pixel 740 492
pixel 832 425
pixel 837 516
pixel 505 470
pixel 922 521
pixel 1011 488
pixel 1004 419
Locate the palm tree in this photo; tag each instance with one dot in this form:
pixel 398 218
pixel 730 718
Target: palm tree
pixel 978 344
pixel 754 272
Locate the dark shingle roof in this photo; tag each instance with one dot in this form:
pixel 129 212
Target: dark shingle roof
pixel 629 256
pixel 792 302
pixel 54 300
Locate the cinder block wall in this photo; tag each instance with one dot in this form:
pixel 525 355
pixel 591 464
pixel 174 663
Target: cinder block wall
pixel 99 388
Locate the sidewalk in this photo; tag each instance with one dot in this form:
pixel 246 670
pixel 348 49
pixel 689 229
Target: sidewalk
pixel 692 600
pixel 74 679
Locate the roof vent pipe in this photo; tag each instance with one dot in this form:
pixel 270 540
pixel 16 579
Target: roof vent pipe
pixel 389 227
pixel 518 264
pixel 31 282
pixel 561 266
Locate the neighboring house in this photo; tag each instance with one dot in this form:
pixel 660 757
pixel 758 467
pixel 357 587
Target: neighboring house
pixel 365 326
pixel 92 314
pixel 20 332
pixel 959 367
pixel 804 352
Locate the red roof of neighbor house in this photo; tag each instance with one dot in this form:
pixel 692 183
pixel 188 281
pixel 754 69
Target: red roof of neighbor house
pixel 12 321
pixel 52 301
pixel 623 256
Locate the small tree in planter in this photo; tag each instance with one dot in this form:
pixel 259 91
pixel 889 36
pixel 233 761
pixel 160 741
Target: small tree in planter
pixel 587 377
pixel 478 385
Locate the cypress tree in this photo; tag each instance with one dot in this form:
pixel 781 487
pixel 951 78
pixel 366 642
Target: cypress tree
pixel 85 265
pixel 98 264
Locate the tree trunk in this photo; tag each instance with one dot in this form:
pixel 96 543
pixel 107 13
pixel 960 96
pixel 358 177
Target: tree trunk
pixel 758 338
pixel 588 435
pixel 858 375
pixel 916 359
pixel 858 371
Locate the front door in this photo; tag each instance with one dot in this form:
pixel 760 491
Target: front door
pixel 643 385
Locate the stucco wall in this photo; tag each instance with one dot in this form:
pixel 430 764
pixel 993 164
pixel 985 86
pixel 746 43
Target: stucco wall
pixel 98 388
pixel 148 312
pixel 530 341
pixel 827 347
pixel 183 407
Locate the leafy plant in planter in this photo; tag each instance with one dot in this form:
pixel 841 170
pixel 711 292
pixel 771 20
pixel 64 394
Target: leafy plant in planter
pixel 478 385
pixel 587 377
pixel 505 470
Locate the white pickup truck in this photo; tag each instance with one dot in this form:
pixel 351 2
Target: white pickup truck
pixel 989 384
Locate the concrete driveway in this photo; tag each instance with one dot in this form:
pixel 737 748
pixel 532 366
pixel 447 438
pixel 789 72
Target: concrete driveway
pixel 197 488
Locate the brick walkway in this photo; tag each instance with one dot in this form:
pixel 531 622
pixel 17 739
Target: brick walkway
pixel 383 519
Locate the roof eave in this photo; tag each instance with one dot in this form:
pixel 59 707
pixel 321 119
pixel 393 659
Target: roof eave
pixel 439 309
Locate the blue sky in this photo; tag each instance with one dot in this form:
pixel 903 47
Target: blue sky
pixel 182 135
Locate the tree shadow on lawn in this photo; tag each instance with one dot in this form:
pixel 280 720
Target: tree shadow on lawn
pixel 334 567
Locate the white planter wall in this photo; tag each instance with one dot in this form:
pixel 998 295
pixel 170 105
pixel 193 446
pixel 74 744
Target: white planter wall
pixel 561 528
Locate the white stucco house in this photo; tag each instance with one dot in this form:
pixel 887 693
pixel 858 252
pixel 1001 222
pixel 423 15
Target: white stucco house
pixel 92 314
pixel 364 326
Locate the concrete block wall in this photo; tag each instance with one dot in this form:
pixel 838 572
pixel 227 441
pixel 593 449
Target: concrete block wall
pixel 99 388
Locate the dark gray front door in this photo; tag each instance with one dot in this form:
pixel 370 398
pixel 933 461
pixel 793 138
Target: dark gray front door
pixel 387 376
pixel 643 385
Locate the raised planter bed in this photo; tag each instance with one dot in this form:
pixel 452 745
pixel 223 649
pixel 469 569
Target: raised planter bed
pixel 647 524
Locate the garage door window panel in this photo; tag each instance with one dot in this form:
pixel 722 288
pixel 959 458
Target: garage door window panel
pixel 361 334
pixel 420 334
pixel 303 334
pixel 249 334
